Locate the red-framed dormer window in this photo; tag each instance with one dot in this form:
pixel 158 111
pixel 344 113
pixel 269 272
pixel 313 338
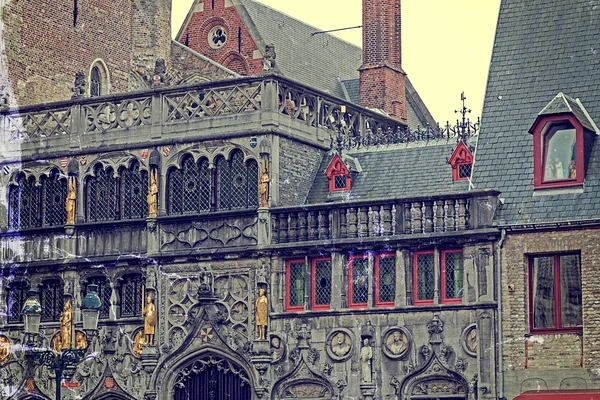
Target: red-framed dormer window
pixel 358 281
pixel 558 151
pixel 321 283
pixel 385 280
pixel 423 277
pixel 452 276
pixel 461 162
pixel 338 175
pixel 555 293
pixel 295 285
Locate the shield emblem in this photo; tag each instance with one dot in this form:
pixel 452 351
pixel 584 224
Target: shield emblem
pixel 30 385
pixel 253 142
pixel 144 154
pixel 109 382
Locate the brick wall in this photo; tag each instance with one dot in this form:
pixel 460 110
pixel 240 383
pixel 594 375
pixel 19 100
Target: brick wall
pixel 297 165
pixel 549 351
pixel 238 51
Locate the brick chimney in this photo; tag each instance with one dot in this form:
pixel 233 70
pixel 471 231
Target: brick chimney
pixel 382 80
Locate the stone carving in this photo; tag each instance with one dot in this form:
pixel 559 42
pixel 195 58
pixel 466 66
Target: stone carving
pixel 302 335
pixel 425 352
pixel 209 234
pixel 327 369
pixel 366 355
pixel 152 197
pixel 302 382
pixel 70 201
pixel 262 309
pixel 469 340
pixel 4 98
pixel 123 114
pixel 473 395
pixel 160 73
pixel 206 282
pixel 339 345
pixel 277 349
pixel 261 273
pixel 11 375
pixel 269 58
pixel 435 327
pixel 263 188
pixel 367 330
pixel 313 356
pixel 4 349
pixel 79 86
pixel 396 343
pixel 461 365
pixel 63 339
pixel 149 321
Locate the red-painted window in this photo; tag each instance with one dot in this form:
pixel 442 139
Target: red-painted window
pixel 461 162
pixel 321 283
pixel 555 293
pixel 385 280
pixel 423 277
pixel 558 151
pixel 295 285
pixel 338 175
pixel 452 276
pixel 358 281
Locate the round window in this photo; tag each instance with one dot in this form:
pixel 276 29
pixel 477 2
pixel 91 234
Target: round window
pixel 217 37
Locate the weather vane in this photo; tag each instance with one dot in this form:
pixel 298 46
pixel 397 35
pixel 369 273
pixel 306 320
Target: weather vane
pixel 464 126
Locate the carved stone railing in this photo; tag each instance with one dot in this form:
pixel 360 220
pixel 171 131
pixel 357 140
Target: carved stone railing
pixel 164 110
pixel 386 217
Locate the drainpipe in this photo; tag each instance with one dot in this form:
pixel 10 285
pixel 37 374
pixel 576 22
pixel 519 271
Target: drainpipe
pixel 499 293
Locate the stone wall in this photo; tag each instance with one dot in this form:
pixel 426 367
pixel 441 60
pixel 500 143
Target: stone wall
pixel 297 165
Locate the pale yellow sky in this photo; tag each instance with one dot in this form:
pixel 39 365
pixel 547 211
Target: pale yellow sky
pixel 446 45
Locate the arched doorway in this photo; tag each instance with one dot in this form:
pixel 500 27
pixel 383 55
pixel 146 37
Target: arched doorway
pixel 212 379
pixel 433 381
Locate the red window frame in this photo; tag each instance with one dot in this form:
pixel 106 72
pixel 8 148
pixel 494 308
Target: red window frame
pixel 416 299
pixel 313 276
pixel 450 300
pixel 337 168
pixel 460 156
pixel 351 304
pixel 288 281
pixel 557 296
pixel 539 152
pixel 378 302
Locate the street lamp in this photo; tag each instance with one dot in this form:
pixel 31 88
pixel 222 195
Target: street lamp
pixel 66 358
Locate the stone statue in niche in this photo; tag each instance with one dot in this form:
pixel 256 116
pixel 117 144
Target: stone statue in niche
pixel 205 283
pixel 471 340
pixel 277 349
pixel 79 85
pixel 160 73
pixel 70 201
pixel 153 194
pixel 341 344
pixel 269 58
pixel 263 188
pixel 262 309
pixel 149 321
pixel 366 355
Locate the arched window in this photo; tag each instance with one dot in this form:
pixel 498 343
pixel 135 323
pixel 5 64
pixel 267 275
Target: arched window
pixel 104 292
pixel 134 184
pixel 131 295
pixel 52 299
pixel 102 195
pixel 237 183
pixel 95 82
pixel 54 193
pixel 189 187
pixel 17 294
pixel 99 79
pixel 24 203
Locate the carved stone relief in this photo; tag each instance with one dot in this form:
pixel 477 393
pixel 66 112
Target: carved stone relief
pixel 340 345
pixel 396 343
pixel 277 348
pixel 469 340
pixel 209 234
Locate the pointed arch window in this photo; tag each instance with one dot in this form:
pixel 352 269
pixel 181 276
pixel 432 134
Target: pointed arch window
pixel 102 195
pixel 134 184
pixel 17 294
pixel 54 193
pixel 24 203
pixel 95 82
pixel 99 79
pixel 237 182
pixel 189 187
pixel 132 292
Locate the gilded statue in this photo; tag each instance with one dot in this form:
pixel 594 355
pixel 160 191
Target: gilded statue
pixel 71 199
pixel 149 321
pixel 152 198
pixel 263 188
pixel 262 308
pixel 80 340
pixel 63 339
pixel 138 343
pixel 4 349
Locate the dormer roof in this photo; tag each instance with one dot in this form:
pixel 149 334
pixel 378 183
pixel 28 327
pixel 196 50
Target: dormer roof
pixel 563 104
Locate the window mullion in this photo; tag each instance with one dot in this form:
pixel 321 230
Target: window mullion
pixel 557 299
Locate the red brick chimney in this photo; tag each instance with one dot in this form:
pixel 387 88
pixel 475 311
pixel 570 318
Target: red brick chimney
pixel 382 80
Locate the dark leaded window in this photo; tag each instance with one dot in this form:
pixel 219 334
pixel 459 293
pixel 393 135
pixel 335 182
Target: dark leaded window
pixel 134 188
pixel 54 194
pixel 555 292
pixel 359 281
pixel 16 297
pixel 340 181
pixel 24 203
pixel 424 277
pixel 95 82
pixel 131 296
pixel 237 183
pixel 385 289
pixel 321 272
pixel 296 280
pixel 464 171
pixel 102 196
pixel 189 187
pixel 452 276
pixel 104 292
pixel 52 300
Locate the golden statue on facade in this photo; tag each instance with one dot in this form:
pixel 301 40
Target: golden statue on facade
pixel 4 349
pixel 63 339
pixel 71 199
pixel 263 188
pixel 152 198
pixel 138 343
pixel 262 309
pixel 149 321
pixel 80 340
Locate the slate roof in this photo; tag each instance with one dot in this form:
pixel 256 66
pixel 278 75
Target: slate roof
pixel 542 47
pixel 416 169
